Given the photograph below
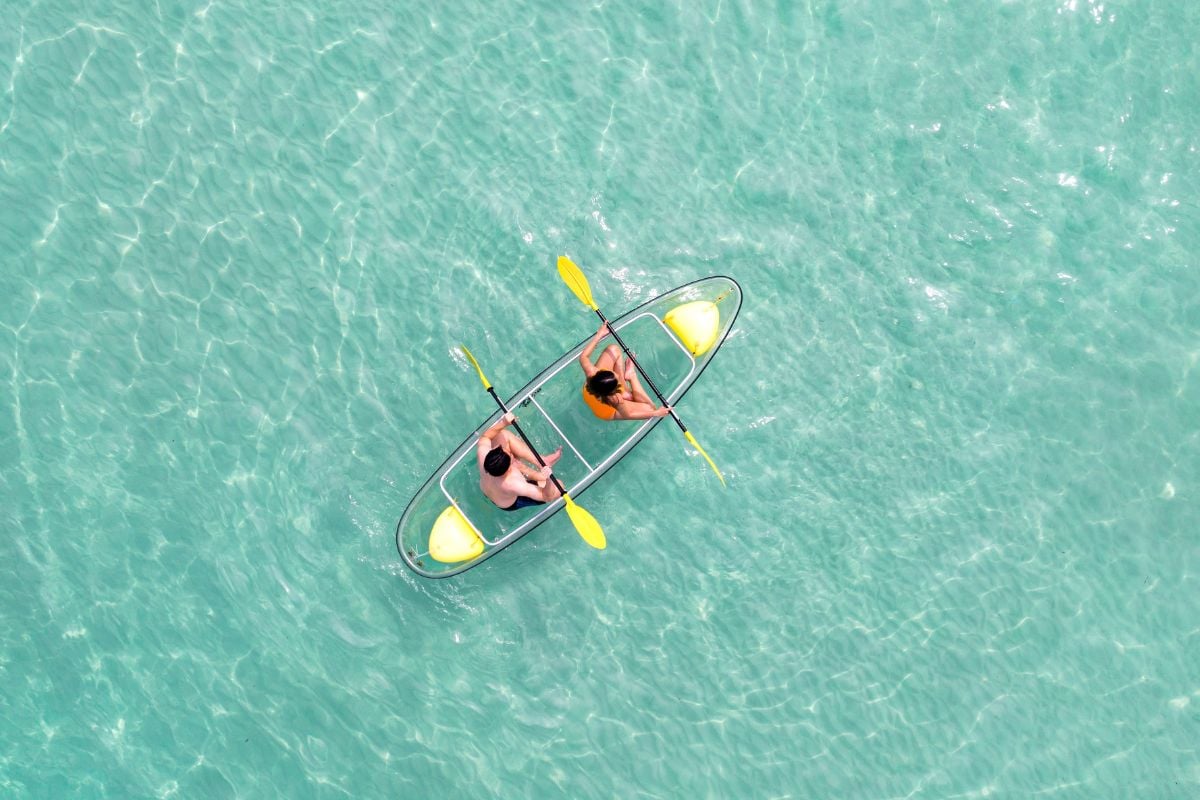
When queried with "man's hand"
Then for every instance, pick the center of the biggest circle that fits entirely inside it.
(499, 425)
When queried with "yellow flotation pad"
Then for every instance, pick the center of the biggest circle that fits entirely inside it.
(453, 539)
(696, 324)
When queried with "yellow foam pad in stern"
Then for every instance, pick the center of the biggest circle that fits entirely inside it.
(452, 538)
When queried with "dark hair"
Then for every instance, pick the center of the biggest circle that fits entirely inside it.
(602, 384)
(496, 462)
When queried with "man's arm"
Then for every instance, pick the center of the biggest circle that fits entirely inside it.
(532, 490)
(485, 443)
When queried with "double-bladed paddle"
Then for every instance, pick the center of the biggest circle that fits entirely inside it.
(584, 522)
(574, 278)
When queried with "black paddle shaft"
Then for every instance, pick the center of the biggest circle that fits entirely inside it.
(562, 489)
(649, 380)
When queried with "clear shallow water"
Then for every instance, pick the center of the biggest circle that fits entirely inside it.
(958, 555)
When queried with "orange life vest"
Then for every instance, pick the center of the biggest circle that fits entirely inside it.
(601, 409)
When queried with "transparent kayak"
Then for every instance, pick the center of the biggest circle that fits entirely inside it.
(450, 526)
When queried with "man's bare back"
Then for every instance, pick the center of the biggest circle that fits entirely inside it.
(506, 474)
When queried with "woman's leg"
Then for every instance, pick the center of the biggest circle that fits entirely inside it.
(635, 385)
(610, 359)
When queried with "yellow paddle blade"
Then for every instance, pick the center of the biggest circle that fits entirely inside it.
(574, 278)
(475, 364)
(586, 524)
(700, 450)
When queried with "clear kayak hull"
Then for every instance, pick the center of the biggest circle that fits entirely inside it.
(673, 336)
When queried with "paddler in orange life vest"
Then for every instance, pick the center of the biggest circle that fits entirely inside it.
(506, 472)
(608, 396)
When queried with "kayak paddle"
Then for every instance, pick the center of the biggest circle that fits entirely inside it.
(584, 522)
(574, 278)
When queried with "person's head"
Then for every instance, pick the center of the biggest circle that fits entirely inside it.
(603, 384)
(496, 462)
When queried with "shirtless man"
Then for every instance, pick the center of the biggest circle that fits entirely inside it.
(506, 474)
(605, 394)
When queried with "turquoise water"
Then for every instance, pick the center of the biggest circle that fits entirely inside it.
(958, 552)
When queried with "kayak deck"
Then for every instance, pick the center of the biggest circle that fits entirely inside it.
(551, 411)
